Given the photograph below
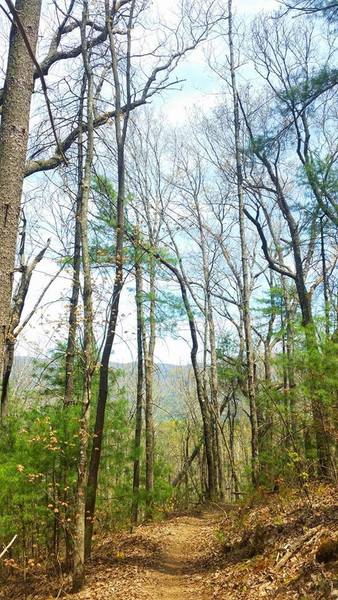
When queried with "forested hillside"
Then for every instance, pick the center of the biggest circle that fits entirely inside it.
(168, 298)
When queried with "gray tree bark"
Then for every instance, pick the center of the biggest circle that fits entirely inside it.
(14, 131)
(245, 265)
(149, 349)
(88, 338)
(139, 392)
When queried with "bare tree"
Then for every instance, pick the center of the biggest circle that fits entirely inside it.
(245, 270)
(325, 8)
(16, 322)
(158, 80)
(88, 337)
(140, 382)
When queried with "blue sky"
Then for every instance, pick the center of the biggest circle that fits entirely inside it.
(200, 88)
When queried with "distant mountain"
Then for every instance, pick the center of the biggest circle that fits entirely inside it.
(172, 384)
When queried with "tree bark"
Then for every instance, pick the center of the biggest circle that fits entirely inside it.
(187, 464)
(207, 430)
(139, 393)
(74, 300)
(149, 349)
(215, 395)
(121, 125)
(88, 341)
(245, 266)
(325, 281)
(14, 131)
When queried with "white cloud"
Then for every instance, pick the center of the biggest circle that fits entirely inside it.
(254, 6)
(177, 110)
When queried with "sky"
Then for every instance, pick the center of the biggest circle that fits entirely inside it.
(199, 89)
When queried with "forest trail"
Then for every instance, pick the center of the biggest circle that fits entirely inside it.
(280, 546)
(176, 572)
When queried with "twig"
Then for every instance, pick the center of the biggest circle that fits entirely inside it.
(308, 536)
(9, 545)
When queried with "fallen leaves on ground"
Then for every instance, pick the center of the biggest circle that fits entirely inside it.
(276, 546)
(269, 547)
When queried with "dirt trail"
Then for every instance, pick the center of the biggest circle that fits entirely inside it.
(158, 561)
(269, 549)
(176, 572)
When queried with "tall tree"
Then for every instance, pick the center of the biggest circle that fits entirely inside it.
(73, 318)
(244, 254)
(14, 131)
(121, 120)
(140, 383)
(88, 337)
(124, 90)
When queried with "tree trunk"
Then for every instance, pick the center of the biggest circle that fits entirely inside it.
(187, 464)
(74, 300)
(325, 281)
(214, 396)
(104, 367)
(139, 394)
(149, 349)
(245, 266)
(7, 369)
(14, 131)
(13, 329)
(324, 442)
(232, 425)
(207, 429)
(121, 125)
(73, 319)
(88, 341)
